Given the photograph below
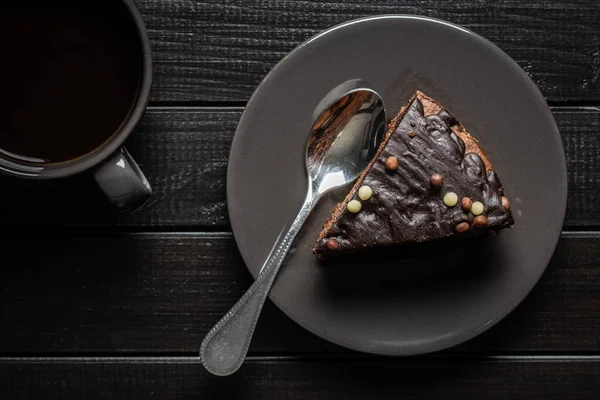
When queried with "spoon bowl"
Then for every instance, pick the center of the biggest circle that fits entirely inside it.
(344, 138)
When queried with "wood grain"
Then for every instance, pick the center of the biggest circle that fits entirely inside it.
(215, 51)
(161, 293)
(184, 153)
(185, 378)
(582, 151)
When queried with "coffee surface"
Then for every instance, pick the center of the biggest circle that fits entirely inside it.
(69, 76)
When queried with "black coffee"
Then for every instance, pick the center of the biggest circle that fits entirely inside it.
(69, 76)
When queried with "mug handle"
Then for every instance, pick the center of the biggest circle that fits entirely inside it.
(122, 181)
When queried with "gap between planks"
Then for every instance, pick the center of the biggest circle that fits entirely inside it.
(304, 358)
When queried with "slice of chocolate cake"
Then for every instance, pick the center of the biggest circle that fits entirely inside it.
(428, 180)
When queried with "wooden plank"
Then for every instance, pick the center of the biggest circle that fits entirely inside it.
(163, 292)
(185, 378)
(582, 150)
(184, 153)
(219, 51)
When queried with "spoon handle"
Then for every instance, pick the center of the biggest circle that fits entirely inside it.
(224, 348)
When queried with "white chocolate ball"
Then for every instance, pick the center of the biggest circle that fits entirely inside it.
(354, 206)
(450, 199)
(365, 192)
(477, 208)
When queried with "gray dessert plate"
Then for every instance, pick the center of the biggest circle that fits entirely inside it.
(412, 299)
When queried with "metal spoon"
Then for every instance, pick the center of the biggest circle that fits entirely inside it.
(349, 126)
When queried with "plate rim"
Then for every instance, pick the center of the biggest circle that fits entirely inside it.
(461, 337)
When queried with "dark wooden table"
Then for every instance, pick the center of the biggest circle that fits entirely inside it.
(97, 304)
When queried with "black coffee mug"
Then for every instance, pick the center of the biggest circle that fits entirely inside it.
(76, 82)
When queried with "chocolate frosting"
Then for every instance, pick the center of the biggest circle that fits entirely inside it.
(404, 206)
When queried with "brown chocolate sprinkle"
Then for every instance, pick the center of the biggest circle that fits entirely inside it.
(332, 245)
(480, 221)
(466, 203)
(462, 227)
(505, 203)
(436, 180)
(391, 163)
